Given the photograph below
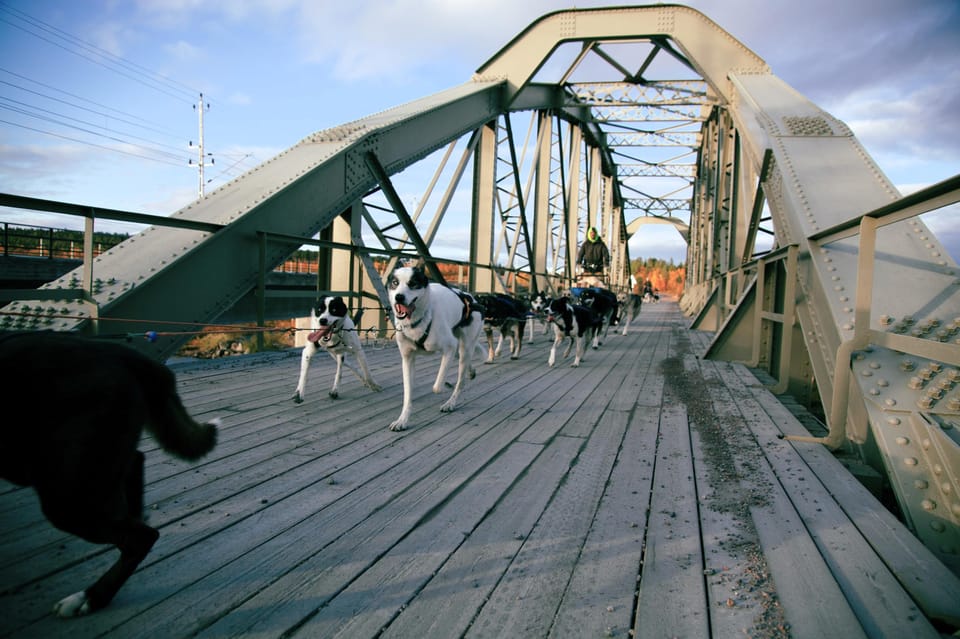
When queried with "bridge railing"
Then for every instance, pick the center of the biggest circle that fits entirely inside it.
(85, 292)
(511, 280)
(930, 199)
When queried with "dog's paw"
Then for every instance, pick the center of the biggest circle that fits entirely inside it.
(398, 426)
(448, 407)
(575, 365)
(374, 387)
(333, 394)
(73, 606)
(297, 398)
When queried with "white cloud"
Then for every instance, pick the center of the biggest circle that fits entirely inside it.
(184, 51)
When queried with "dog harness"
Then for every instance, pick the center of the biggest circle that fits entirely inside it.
(469, 306)
(567, 325)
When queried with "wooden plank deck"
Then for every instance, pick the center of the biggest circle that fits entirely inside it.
(646, 493)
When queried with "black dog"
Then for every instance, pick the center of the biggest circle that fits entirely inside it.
(73, 419)
(604, 303)
(573, 322)
(509, 316)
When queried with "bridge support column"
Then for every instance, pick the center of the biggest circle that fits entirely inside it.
(483, 279)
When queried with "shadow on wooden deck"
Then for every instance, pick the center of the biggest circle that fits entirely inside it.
(646, 493)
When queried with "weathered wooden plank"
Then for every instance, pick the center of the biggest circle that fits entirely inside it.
(598, 601)
(672, 598)
(380, 593)
(449, 603)
(742, 600)
(813, 603)
(539, 573)
(295, 597)
(874, 556)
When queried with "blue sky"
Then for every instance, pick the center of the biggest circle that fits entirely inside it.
(97, 97)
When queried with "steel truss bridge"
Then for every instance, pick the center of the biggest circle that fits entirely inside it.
(619, 118)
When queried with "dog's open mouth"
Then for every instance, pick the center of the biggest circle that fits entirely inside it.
(321, 333)
(402, 311)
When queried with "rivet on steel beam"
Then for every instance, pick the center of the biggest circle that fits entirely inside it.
(893, 421)
(928, 504)
(911, 461)
(920, 484)
(937, 525)
(903, 441)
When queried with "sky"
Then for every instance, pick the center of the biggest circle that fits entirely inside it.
(99, 98)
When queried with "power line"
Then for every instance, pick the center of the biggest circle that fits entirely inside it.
(88, 143)
(151, 126)
(69, 104)
(37, 114)
(76, 46)
(98, 56)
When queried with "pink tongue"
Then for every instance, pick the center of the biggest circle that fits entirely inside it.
(317, 335)
(403, 310)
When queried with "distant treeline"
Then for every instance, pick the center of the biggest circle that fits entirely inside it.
(34, 240)
(666, 277)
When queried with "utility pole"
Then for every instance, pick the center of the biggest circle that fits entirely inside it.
(201, 158)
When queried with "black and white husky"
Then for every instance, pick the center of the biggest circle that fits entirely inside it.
(538, 314)
(333, 330)
(71, 423)
(573, 322)
(432, 318)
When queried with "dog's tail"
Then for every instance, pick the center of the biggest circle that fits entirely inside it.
(173, 428)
